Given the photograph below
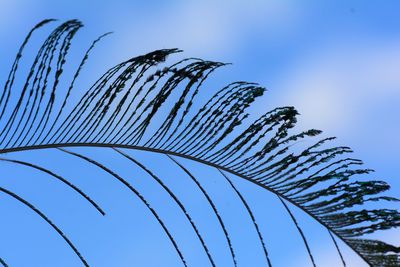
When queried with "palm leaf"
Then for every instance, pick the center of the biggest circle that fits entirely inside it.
(146, 104)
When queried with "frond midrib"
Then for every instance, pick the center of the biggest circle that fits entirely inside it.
(162, 151)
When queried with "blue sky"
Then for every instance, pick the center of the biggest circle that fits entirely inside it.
(337, 62)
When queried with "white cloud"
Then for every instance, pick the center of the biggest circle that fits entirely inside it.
(205, 28)
(336, 88)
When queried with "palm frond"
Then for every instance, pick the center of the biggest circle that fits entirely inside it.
(146, 104)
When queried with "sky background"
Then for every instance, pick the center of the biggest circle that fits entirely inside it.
(337, 62)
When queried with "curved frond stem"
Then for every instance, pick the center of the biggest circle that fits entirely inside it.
(337, 248)
(47, 53)
(205, 114)
(136, 192)
(41, 56)
(76, 75)
(44, 217)
(299, 230)
(76, 113)
(211, 202)
(60, 178)
(176, 200)
(69, 28)
(61, 61)
(251, 215)
(10, 80)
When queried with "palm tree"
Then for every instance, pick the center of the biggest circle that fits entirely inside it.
(140, 105)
